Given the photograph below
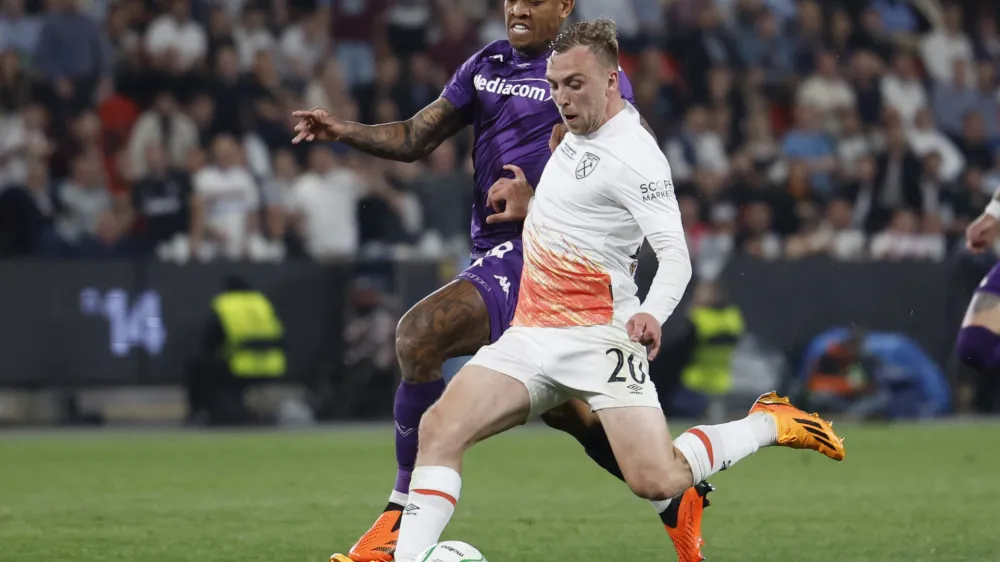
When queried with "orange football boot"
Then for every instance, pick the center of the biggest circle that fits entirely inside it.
(799, 430)
(379, 543)
(682, 520)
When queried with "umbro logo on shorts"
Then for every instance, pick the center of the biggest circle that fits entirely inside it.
(636, 389)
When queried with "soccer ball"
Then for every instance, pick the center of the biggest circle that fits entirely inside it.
(451, 551)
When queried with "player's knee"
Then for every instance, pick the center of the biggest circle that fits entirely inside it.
(416, 347)
(440, 436)
(978, 348)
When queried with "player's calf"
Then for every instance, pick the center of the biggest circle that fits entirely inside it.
(642, 445)
(478, 403)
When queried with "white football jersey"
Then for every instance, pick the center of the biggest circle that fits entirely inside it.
(598, 197)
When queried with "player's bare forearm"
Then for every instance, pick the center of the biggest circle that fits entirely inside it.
(410, 140)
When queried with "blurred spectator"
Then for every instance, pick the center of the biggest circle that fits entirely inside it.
(385, 86)
(760, 239)
(390, 213)
(406, 25)
(355, 22)
(71, 58)
(22, 140)
(26, 212)
(696, 147)
(15, 84)
(987, 40)
(18, 31)
(853, 143)
(160, 197)
(165, 126)
(92, 223)
(952, 100)
(826, 90)
(252, 36)
(987, 98)
(224, 205)
(864, 72)
(924, 138)
(968, 200)
(904, 240)
(871, 36)
(764, 46)
(807, 142)
(457, 41)
(897, 16)
(278, 194)
(942, 47)
(896, 183)
(175, 40)
(974, 143)
(623, 13)
(304, 45)
(838, 236)
(323, 206)
(227, 92)
(445, 192)
(902, 89)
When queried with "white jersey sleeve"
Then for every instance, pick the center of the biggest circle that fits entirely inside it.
(646, 190)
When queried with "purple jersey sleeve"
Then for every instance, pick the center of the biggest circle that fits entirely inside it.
(460, 90)
(625, 86)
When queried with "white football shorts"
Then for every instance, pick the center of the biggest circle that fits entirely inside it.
(597, 364)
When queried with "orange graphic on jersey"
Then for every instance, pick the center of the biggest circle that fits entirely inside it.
(561, 289)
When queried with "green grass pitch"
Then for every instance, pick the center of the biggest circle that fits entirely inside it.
(905, 493)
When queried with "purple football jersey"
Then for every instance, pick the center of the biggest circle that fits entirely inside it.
(506, 98)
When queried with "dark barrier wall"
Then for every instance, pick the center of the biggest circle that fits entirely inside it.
(789, 303)
(85, 324)
(138, 323)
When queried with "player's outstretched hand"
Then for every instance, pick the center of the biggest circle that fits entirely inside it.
(645, 329)
(509, 198)
(316, 124)
(981, 233)
(558, 132)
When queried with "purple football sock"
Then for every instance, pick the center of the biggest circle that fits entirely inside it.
(412, 400)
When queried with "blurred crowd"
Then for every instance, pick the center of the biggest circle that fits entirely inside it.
(855, 129)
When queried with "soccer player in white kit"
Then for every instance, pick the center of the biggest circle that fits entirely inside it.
(579, 330)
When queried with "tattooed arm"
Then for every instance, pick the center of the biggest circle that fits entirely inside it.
(406, 141)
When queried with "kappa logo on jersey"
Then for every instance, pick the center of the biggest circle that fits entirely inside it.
(656, 189)
(587, 165)
(504, 284)
(522, 87)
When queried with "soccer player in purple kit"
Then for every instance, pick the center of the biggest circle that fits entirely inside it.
(978, 343)
(502, 91)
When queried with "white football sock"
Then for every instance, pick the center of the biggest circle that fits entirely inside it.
(398, 498)
(711, 448)
(661, 506)
(434, 491)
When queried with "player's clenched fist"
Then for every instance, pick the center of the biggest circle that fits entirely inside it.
(645, 329)
(509, 198)
(316, 124)
(980, 234)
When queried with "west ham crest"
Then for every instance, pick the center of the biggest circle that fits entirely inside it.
(587, 165)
